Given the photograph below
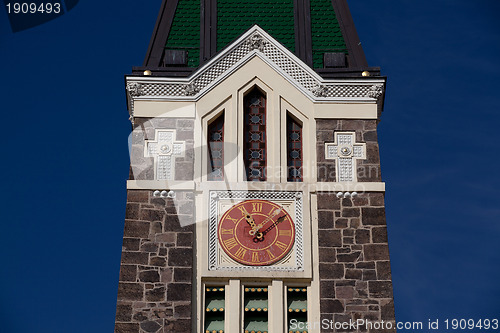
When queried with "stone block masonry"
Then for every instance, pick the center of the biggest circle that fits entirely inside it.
(155, 286)
(354, 265)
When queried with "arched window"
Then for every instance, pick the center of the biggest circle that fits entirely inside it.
(294, 149)
(255, 135)
(216, 149)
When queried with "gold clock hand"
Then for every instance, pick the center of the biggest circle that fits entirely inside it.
(272, 226)
(248, 217)
(269, 218)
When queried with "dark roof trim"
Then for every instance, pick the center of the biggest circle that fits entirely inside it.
(208, 33)
(160, 33)
(357, 57)
(164, 71)
(303, 42)
(347, 72)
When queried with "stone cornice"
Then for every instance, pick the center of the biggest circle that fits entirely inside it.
(359, 187)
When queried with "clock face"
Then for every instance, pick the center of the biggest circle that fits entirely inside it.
(256, 232)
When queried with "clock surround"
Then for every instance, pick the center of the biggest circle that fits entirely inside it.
(256, 232)
(222, 201)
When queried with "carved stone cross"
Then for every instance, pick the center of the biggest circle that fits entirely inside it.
(346, 151)
(164, 150)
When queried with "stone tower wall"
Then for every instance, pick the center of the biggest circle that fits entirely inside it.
(354, 266)
(156, 274)
(155, 286)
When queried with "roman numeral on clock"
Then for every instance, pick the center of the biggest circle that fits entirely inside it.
(240, 253)
(242, 210)
(281, 245)
(232, 219)
(256, 207)
(255, 257)
(230, 243)
(285, 233)
(270, 254)
(226, 231)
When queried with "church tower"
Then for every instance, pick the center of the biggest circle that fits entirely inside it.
(255, 201)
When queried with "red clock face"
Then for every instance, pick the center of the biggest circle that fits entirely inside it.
(256, 232)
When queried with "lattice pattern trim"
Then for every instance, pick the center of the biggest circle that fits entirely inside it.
(255, 42)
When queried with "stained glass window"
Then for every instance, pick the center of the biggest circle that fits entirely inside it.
(294, 149)
(255, 135)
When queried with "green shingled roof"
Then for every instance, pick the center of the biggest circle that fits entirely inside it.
(185, 31)
(234, 17)
(325, 30)
(276, 17)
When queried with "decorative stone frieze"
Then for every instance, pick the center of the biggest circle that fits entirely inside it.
(255, 42)
(134, 89)
(191, 89)
(375, 91)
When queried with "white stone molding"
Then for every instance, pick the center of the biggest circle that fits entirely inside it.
(346, 152)
(288, 263)
(164, 149)
(161, 185)
(254, 43)
(359, 187)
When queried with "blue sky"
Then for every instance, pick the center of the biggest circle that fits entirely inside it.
(64, 138)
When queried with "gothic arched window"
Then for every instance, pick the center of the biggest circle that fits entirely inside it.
(215, 142)
(294, 149)
(255, 135)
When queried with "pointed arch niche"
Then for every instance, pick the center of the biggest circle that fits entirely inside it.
(297, 144)
(259, 133)
(254, 135)
(216, 148)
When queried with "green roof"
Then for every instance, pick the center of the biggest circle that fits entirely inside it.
(185, 31)
(325, 30)
(276, 17)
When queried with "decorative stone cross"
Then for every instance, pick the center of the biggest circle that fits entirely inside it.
(164, 150)
(346, 151)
